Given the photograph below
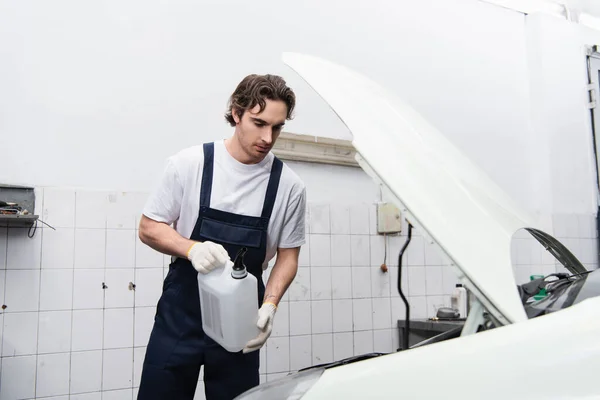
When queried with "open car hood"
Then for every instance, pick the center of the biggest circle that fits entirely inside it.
(441, 192)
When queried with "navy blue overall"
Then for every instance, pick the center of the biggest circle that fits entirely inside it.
(178, 346)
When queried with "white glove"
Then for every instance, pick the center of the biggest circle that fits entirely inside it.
(266, 314)
(206, 256)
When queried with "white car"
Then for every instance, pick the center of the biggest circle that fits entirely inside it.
(510, 346)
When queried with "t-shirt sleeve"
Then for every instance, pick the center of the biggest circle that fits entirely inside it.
(293, 230)
(164, 203)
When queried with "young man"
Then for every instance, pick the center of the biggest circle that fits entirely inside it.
(222, 196)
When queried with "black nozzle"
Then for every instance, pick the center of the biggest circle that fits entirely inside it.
(239, 268)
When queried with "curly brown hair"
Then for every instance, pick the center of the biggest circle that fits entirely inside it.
(253, 90)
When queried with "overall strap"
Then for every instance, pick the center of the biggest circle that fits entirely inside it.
(272, 187)
(207, 174)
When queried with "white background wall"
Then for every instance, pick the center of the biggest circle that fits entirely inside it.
(104, 92)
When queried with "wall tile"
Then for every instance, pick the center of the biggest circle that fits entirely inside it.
(117, 369)
(559, 225)
(362, 312)
(418, 306)
(322, 348)
(53, 374)
(359, 219)
(300, 318)
(343, 345)
(59, 207)
(340, 219)
(382, 313)
(118, 328)
(119, 214)
(363, 342)
(416, 281)
(341, 282)
(146, 256)
(377, 250)
(434, 281)
(199, 395)
(90, 248)
(320, 250)
(148, 286)
(342, 315)
(262, 359)
(143, 323)
(398, 310)
(319, 219)
(88, 330)
(572, 226)
(433, 254)
(361, 282)
(120, 248)
(415, 251)
(281, 325)
(54, 332)
(373, 219)
(87, 396)
(23, 252)
(123, 394)
(87, 289)
(300, 352)
(395, 244)
(300, 288)
(58, 248)
(139, 354)
(359, 251)
(320, 283)
(304, 256)
(393, 272)
(321, 313)
(91, 208)
(587, 226)
(340, 251)
(278, 355)
(20, 334)
(18, 378)
(86, 371)
(3, 246)
(117, 294)
(382, 341)
(380, 282)
(22, 291)
(588, 251)
(2, 285)
(449, 279)
(56, 290)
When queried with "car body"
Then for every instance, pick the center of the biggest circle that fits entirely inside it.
(511, 346)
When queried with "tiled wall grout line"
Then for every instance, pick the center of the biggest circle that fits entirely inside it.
(37, 347)
(104, 305)
(72, 296)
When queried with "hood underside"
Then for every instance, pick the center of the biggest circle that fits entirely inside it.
(440, 190)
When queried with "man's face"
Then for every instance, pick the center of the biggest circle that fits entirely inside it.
(257, 132)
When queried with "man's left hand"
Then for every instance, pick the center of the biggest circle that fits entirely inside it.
(266, 314)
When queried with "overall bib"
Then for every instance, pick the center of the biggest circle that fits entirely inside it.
(178, 346)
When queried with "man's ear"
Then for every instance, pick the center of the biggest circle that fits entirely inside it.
(237, 115)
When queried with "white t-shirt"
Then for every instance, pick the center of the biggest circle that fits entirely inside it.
(237, 188)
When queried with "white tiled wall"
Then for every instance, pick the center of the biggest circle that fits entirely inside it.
(577, 232)
(75, 326)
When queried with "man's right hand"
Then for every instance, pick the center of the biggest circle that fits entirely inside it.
(206, 256)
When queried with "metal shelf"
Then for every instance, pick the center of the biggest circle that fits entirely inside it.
(17, 220)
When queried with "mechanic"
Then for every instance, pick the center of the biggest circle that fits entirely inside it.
(249, 198)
